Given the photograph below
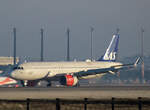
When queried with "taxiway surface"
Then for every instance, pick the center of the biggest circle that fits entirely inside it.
(97, 92)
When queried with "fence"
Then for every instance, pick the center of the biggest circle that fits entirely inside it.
(85, 104)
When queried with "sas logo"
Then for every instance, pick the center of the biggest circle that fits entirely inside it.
(111, 56)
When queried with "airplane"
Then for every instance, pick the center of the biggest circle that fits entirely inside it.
(4, 80)
(69, 73)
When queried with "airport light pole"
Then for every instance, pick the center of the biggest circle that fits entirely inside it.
(142, 54)
(91, 29)
(117, 30)
(68, 44)
(42, 44)
(14, 32)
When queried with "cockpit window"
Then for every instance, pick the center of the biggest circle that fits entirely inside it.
(21, 68)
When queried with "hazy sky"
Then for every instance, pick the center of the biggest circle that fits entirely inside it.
(28, 16)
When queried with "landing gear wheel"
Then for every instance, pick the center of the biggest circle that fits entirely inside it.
(22, 83)
(49, 84)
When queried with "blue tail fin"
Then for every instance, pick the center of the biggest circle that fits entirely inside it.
(112, 50)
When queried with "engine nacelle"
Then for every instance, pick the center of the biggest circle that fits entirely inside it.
(68, 80)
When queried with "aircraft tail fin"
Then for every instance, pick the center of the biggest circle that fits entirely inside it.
(112, 50)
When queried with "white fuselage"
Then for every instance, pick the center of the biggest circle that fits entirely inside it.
(40, 70)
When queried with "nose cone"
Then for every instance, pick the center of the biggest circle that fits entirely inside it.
(15, 74)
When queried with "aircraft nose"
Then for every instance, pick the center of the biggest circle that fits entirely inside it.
(14, 74)
(17, 74)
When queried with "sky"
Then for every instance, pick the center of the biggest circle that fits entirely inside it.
(55, 16)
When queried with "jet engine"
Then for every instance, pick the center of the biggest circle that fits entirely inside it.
(68, 80)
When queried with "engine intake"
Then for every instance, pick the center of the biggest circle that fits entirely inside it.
(68, 80)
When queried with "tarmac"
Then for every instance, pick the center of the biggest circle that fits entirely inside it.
(96, 92)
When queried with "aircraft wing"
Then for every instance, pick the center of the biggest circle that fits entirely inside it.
(7, 80)
(94, 72)
(111, 70)
(89, 72)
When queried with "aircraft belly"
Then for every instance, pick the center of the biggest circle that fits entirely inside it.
(93, 76)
